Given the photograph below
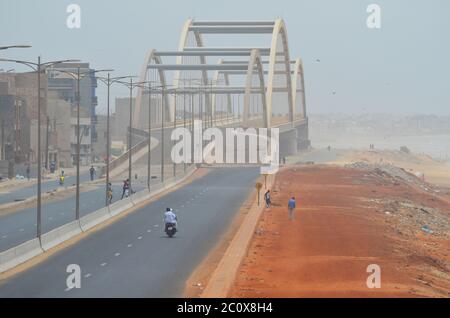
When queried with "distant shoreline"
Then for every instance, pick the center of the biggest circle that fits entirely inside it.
(436, 146)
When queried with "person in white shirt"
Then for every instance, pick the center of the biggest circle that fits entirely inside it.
(170, 217)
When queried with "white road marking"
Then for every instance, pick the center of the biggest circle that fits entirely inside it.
(21, 230)
(129, 245)
(156, 225)
(4, 236)
(148, 231)
(87, 275)
(117, 254)
(140, 238)
(103, 264)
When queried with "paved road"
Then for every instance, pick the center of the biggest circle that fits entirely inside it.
(20, 226)
(132, 257)
(31, 190)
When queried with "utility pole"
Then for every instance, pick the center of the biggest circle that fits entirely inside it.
(46, 142)
(77, 200)
(129, 134)
(39, 163)
(108, 141)
(3, 139)
(174, 127)
(162, 134)
(149, 160)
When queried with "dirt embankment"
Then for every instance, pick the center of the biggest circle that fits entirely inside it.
(349, 218)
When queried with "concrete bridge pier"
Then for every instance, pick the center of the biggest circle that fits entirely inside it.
(288, 142)
(303, 141)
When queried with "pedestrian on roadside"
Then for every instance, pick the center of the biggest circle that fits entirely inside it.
(267, 198)
(92, 172)
(291, 208)
(28, 172)
(125, 188)
(110, 192)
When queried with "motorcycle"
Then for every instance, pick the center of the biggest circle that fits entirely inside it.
(171, 229)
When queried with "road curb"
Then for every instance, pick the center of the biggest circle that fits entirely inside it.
(224, 275)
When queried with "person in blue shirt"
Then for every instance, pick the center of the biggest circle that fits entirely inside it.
(291, 208)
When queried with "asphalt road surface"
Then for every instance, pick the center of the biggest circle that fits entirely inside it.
(20, 226)
(133, 257)
(31, 190)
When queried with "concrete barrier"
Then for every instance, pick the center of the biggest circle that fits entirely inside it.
(92, 219)
(19, 254)
(60, 234)
(140, 196)
(120, 206)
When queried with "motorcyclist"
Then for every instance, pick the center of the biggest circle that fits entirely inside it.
(169, 218)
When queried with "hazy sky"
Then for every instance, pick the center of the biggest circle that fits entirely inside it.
(404, 67)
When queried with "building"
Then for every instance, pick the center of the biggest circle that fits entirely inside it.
(85, 140)
(99, 146)
(122, 116)
(15, 128)
(121, 119)
(65, 87)
(58, 119)
(21, 91)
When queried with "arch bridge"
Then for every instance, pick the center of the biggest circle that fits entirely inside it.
(252, 81)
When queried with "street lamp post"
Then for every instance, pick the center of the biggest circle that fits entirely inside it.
(108, 81)
(131, 85)
(14, 47)
(78, 76)
(38, 67)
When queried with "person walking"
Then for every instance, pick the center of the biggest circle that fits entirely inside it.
(92, 172)
(291, 208)
(267, 198)
(125, 188)
(110, 193)
(28, 172)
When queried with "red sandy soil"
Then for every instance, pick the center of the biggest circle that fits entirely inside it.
(340, 228)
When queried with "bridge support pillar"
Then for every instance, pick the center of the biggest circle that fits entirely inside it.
(288, 143)
(303, 141)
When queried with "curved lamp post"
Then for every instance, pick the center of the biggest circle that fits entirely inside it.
(38, 67)
(78, 76)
